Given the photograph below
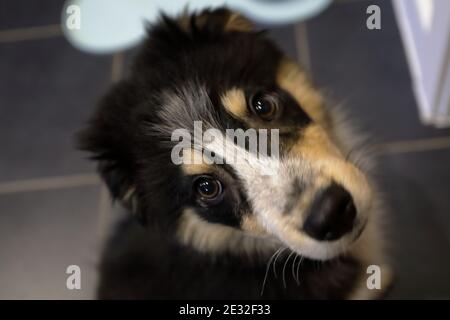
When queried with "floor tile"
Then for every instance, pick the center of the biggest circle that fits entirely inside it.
(366, 70)
(41, 234)
(416, 187)
(24, 13)
(47, 92)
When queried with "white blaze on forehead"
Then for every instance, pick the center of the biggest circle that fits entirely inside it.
(249, 164)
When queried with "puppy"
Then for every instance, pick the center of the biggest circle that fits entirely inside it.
(302, 222)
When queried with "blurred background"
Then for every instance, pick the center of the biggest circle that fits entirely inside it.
(54, 211)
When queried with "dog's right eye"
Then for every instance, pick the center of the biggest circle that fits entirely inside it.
(264, 105)
(208, 189)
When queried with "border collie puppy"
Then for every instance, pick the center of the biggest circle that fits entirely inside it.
(301, 225)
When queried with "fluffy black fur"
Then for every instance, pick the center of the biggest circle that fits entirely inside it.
(147, 264)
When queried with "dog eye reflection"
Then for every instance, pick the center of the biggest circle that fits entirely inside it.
(208, 189)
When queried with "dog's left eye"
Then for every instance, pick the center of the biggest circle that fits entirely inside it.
(264, 105)
(208, 188)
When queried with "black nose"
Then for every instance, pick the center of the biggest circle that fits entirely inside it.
(332, 214)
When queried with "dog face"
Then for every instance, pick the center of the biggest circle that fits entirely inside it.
(214, 68)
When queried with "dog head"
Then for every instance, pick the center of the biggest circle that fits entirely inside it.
(213, 71)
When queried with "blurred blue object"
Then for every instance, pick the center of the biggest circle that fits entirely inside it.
(105, 26)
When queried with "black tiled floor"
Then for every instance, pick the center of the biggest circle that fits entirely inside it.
(25, 13)
(416, 187)
(47, 91)
(367, 70)
(41, 233)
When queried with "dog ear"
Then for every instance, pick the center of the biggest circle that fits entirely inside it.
(107, 138)
(215, 21)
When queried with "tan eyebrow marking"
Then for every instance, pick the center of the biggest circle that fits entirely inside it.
(291, 79)
(234, 102)
(189, 165)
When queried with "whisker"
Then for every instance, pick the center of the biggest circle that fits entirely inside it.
(284, 268)
(275, 263)
(267, 270)
(293, 266)
(298, 268)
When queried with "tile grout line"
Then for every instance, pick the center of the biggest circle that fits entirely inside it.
(409, 146)
(302, 45)
(78, 180)
(49, 183)
(31, 33)
(117, 66)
